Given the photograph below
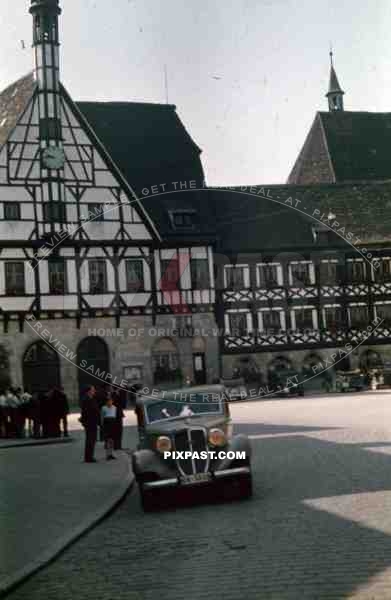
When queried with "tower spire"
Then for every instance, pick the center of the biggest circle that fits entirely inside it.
(335, 92)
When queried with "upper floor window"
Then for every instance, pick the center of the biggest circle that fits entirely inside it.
(54, 212)
(238, 323)
(383, 312)
(333, 317)
(98, 276)
(358, 315)
(304, 318)
(271, 321)
(57, 276)
(183, 219)
(14, 279)
(328, 272)
(301, 273)
(95, 211)
(134, 275)
(170, 274)
(382, 271)
(11, 211)
(236, 277)
(49, 128)
(200, 277)
(355, 271)
(268, 274)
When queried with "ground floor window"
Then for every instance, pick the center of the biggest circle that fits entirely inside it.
(165, 363)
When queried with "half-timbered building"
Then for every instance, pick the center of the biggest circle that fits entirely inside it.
(304, 269)
(89, 286)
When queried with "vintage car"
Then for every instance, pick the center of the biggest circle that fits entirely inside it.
(190, 420)
(347, 381)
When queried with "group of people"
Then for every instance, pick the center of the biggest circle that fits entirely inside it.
(14, 412)
(37, 415)
(102, 410)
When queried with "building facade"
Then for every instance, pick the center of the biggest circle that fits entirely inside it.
(119, 265)
(89, 289)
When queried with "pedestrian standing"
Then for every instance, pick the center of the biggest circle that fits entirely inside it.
(12, 409)
(90, 418)
(3, 415)
(64, 411)
(109, 426)
(119, 428)
(35, 413)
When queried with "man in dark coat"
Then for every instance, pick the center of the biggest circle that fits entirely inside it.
(120, 402)
(90, 419)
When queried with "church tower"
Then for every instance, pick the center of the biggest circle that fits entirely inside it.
(335, 93)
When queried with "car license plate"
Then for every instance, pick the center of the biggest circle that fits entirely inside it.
(196, 478)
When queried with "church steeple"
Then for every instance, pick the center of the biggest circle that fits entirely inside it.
(335, 93)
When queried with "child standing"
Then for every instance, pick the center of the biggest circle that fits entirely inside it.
(109, 422)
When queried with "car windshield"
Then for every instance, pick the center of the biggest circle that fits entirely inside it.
(187, 406)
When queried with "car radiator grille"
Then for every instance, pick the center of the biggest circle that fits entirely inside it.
(193, 440)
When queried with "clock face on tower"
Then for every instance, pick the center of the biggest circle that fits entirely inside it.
(53, 157)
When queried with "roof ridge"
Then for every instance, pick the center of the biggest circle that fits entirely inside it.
(127, 103)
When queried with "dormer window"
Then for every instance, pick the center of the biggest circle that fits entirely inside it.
(183, 219)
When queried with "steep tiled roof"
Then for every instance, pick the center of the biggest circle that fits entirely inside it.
(13, 101)
(148, 142)
(151, 147)
(247, 221)
(357, 145)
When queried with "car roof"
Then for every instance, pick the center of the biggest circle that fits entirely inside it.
(172, 395)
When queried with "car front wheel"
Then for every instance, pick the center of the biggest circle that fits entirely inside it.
(246, 486)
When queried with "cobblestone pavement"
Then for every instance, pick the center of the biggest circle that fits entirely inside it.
(319, 525)
(48, 496)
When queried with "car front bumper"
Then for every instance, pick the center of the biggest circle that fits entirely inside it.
(215, 477)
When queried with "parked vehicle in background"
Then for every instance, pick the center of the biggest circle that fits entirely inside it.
(349, 381)
(189, 420)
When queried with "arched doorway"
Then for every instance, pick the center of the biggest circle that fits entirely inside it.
(370, 359)
(93, 361)
(41, 368)
(165, 363)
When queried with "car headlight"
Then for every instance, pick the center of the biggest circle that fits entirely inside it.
(163, 444)
(217, 437)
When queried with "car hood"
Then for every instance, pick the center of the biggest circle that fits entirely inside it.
(180, 424)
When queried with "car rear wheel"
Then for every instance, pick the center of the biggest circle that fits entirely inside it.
(149, 501)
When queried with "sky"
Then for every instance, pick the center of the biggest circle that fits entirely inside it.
(246, 76)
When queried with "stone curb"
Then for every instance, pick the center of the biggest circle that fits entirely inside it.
(15, 580)
(38, 442)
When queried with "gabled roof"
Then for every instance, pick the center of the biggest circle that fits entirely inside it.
(248, 221)
(356, 145)
(147, 142)
(151, 147)
(13, 101)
